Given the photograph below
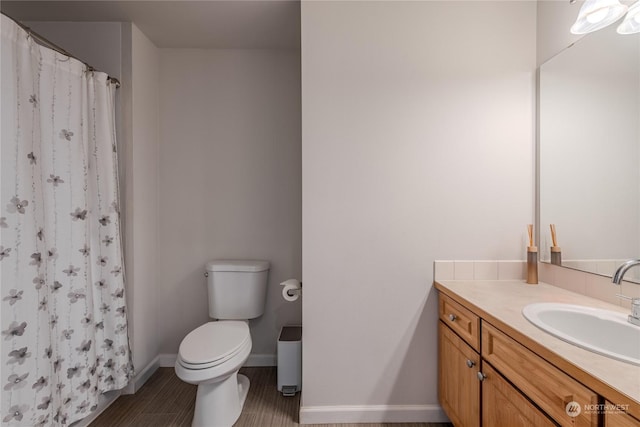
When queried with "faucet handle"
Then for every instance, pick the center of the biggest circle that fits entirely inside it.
(634, 317)
(634, 300)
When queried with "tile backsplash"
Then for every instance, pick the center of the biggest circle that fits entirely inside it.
(479, 270)
(591, 285)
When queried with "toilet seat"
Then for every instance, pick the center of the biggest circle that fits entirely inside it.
(213, 344)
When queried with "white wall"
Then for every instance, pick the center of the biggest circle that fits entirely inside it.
(143, 176)
(138, 158)
(417, 145)
(229, 181)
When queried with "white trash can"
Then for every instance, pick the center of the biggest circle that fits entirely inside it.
(290, 360)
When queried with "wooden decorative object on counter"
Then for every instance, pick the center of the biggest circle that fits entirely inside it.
(532, 259)
(556, 253)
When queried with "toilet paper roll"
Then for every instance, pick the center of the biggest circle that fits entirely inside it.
(291, 289)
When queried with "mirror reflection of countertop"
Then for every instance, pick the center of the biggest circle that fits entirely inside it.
(500, 302)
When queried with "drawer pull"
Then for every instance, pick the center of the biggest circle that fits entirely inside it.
(453, 317)
(481, 376)
(470, 363)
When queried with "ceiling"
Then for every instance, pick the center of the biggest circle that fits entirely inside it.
(205, 24)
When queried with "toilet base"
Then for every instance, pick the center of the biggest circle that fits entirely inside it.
(219, 404)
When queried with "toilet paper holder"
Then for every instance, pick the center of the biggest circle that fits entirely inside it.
(292, 292)
(291, 289)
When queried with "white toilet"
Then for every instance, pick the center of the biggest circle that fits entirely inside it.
(211, 355)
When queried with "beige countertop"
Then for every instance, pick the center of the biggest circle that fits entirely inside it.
(500, 302)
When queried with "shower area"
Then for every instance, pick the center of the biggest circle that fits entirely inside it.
(65, 338)
(114, 197)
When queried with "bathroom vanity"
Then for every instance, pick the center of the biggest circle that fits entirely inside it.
(497, 369)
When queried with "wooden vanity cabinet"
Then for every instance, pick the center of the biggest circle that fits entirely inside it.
(619, 419)
(458, 385)
(460, 389)
(459, 362)
(504, 405)
(461, 320)
(486, 378)
(547, 386)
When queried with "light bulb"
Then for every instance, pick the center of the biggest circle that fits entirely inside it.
(631, 23)
(597, 16)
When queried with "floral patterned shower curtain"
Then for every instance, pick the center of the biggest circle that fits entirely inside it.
(64, 326)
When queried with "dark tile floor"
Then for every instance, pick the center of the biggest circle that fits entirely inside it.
(165, 401)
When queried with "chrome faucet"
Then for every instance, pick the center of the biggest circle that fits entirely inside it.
(634, 317)
(619, 274)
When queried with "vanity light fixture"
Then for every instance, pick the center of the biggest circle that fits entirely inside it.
(631, 23)
(597, 14)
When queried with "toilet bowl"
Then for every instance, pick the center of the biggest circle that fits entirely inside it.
(210, 357)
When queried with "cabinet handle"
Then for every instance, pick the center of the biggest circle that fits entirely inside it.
(481, 376)
(453, 317)
(470, 363)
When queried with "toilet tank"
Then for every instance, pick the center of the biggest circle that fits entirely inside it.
(237, 288)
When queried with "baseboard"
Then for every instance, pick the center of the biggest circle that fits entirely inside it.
(141, 377)
(372, 414)
(169, 360)
(255, 360)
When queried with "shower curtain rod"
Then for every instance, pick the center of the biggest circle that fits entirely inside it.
(43, 41)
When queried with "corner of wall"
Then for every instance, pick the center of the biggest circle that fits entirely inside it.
(142, 180)
(553, 20)
(125, 163)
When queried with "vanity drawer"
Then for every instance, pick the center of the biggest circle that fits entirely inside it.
(547, 386)
(461, 320)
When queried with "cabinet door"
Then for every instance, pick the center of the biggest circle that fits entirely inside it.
(458, 384)
(619, 419)
(504, 406)
(547, 386)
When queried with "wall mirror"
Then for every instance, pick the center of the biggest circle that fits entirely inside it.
(589, 148)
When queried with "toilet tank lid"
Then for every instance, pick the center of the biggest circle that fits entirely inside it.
(237, 265)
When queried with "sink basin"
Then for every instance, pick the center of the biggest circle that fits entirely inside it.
(600, 331)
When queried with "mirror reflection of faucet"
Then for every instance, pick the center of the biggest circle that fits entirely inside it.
(634, 317)
(620, 271)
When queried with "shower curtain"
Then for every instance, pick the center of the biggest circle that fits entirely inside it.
(64, 324)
